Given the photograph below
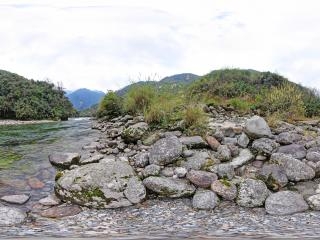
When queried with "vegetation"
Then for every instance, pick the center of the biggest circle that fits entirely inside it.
(83, 98)
(25, 99)
(111, 106)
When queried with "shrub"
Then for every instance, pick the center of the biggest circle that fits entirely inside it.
(195, 120)
(138, 99)
(241, 105)
(110, 106)
(285, 101)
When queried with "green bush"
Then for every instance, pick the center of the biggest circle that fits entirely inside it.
(241, 105)
(111, 106)
(195, 120)
(138, 99)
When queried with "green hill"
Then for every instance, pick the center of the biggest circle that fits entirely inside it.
(25, 99)
(83, 98)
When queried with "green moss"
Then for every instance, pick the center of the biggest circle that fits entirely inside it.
(208, 164)
(58, 175)
(94, 192)
(8, 157)
(225, 182)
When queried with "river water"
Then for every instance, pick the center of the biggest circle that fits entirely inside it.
(28, 146)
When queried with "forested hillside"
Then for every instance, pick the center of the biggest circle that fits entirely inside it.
(25, 99)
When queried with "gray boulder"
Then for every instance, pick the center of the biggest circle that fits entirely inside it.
(168, 187)
(252, 193)
(285, 203)
(10, 216)
(227, 190)
(313, 156)
(287, 138)
(135, 191)
(194, 142)
(245, 156)
(165, 151)
(243, 140)
(64, 160)
(151, 170)
(98, 185)
(224, 170)
(264, 146)
(257, 127)
(141, 159)
(314, 202)
(205, 200)
(224, 153)
(274, 176)
(294, 169)
(197, 161)
(201, 179)
(295, 150)
(134, 132)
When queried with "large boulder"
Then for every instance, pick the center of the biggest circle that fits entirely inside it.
(252, 193)
(168, 187)
(205, 200)
(295, 150)
(10, 216)
(134, 132)
(201, 179)
(264, 146)
(64, 160)
(257, 127)
(165, 151)
(285, 203)
(193, 142)
(294, 168)
(101, 185)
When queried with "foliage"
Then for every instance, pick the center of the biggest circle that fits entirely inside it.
(195, 120)
(240, 104)
(110, 106)
(139, 98)
(25, 99)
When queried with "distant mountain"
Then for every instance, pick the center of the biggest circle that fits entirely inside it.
(174, 80)
(84, 98)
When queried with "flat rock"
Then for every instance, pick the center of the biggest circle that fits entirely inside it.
(168, 187)
(193, 142)
(252, 193)
(16, 199)
(205, 200)
(61, 211)
(10, 216)
(64, 160)
(50, 200)
(294, 168)
(165, 151)
(212, 142)
(93, 159)
(245, 156)
(257, 127)
(285, 203)
(141, 159)
(197, 161)
(295, 150)
(201, 179)
(287, 138)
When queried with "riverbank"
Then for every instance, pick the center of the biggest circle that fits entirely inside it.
(7, 122)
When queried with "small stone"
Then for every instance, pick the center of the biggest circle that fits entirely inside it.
(10, 216)
(205, 200)
(252, 193)
(257, 163)
(313, 156)
(286, 138)
(244, 157)
(16, 199)
(180, 172)
(35, 183)
(243, 140)
(257, 127)
(141, 159)
(213, 142)
(227, 190)
(135, 191)
(64, 160)
(201, 179)
(93, 159)
(50, 200)
(151, 170)
(225, 170)
(224, 153)
(314, 202)
(264, 146)
(61, 211)
(295, 150)
(167, 172)
(187, 153)
(193, 142)
(274, 176)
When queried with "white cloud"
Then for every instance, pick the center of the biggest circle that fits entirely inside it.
(102, 44)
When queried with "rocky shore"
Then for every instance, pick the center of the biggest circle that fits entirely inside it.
(19, 122)
(241, 177)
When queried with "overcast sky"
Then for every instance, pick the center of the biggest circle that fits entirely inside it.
(106, 44)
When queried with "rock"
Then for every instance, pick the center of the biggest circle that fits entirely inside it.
(257, 127)
(295, 150)
(151, 139)
(64, 160)
(285, 203)
(165, 151)
(225, 170)
(252, 193)
(234, 150)
(245, 156)
(151, 170)
(181, 172)
(224, 153)
(286, 138)
(198, 161)
(135, 191)
(243, 140)
(274, 176)
(294, 169)
(167, 172)
(61, 211)
(16, 199)
(134, 132)
(193, 142)
(212, 142)
(307, 188)
(230, 140)
(97, 185)
(50, 200)
(35, 183)
(264, 146)
(168, 187)
(313, 156)
(93, 159)
(201, 179)
(225, 189)
(187, 153)
(10, 216)
(141, 159)
(314, 202)
(205, 200)
(258, 163)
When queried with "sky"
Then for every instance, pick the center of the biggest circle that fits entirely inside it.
(106, 44)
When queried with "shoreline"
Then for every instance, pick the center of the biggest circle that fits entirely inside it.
(10, 122)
